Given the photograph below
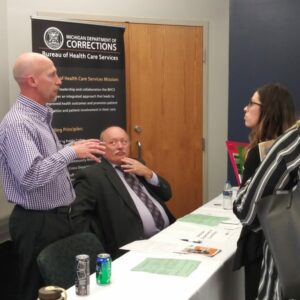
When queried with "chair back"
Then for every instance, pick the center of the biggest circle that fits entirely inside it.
(56, 262)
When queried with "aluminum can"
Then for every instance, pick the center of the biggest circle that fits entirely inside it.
(103, 268)
(82, 278)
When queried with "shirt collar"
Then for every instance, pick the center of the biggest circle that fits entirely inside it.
(45, 112)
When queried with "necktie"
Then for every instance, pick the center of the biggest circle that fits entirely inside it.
(134, 183)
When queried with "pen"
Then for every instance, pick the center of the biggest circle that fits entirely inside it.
(186, 240)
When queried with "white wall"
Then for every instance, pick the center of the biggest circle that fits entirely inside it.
(15, 18)
(5, 207)
(3, 60)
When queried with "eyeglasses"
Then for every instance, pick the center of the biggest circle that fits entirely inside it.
(251, 103)
(115, 142)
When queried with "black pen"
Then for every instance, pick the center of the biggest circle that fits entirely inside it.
(186, 240)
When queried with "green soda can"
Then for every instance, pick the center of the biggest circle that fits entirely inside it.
(103, 268)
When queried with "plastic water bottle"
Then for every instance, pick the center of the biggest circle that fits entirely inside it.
(227, 195)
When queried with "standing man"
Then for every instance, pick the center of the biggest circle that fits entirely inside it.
(33, 166)
(120, 199)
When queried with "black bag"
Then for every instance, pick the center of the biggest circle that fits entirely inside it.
(279, 216)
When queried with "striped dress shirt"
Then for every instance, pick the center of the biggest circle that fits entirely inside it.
(278, 171)
(33, 163)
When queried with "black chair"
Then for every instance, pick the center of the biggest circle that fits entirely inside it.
(57, 261)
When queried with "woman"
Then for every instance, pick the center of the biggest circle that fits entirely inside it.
(278, 171)
(269, 113)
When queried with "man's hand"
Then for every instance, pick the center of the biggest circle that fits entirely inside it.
(130, 165)
(90, 148)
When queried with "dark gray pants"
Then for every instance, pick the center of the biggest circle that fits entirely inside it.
(32, 231)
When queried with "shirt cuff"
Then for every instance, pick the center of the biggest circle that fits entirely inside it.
(154, 180)
(68, 153)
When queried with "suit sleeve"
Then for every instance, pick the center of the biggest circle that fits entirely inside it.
(163, 191)
(84, 206)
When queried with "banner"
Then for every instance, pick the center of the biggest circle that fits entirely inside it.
(90, 61)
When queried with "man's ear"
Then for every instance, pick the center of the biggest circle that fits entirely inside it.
(31, 81)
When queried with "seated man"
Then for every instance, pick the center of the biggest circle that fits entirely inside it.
(120, 199)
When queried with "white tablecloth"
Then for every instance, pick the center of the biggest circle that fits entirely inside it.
(212, 280)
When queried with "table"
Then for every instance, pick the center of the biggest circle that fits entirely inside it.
(212, 280)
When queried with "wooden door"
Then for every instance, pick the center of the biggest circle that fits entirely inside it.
(164, 82)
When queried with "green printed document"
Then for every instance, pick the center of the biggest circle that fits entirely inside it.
(176, 267)
(203, 219)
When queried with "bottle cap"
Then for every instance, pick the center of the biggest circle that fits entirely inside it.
(50, 293)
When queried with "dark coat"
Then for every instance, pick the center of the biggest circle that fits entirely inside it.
(104, 206)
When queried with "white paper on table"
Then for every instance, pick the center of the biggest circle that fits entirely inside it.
(213, 235)
(154, 246)
(206, 234)
(175, 243)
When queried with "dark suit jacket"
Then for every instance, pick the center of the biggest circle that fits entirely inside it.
(104, 206)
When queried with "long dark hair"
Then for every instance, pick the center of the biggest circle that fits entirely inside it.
(277, 113)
